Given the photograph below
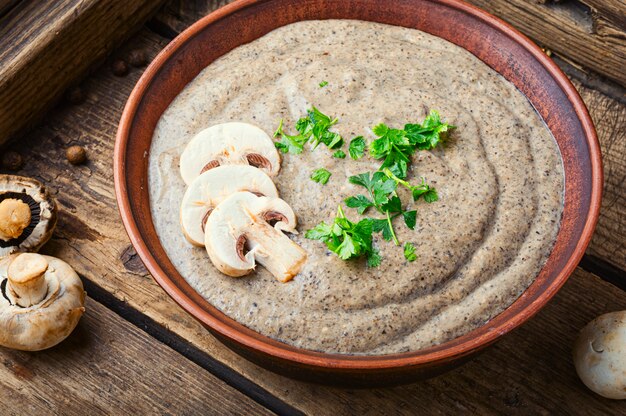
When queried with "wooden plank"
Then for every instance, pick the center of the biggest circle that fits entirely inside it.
(107, 367)
(569, 30)
(91, 237)
(612, 10)
(45, 46)
(609, 240)
(565, 27)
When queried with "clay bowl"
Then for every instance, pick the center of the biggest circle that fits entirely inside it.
(493, 41)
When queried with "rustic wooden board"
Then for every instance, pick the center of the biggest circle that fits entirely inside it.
(609, 240)
(592, 40)
(612, 10)
(45, 46)
(90, 236)
(107, 366)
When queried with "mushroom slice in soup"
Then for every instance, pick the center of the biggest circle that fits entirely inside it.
(231, 143)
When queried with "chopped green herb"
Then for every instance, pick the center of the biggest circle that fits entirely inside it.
(428, 135)
(357, 147)
(347, 239)
(409, 252)
(383, 197)
(323, 84)
(424, 190)
(339, 154)
(289, 144)
(397, 146)
(314, 128)
(321, 175)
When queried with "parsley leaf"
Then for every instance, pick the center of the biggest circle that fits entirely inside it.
(360, 202)
(323, 84)
(410, 218)
(289, 144)
(383, 197)
(397, 146)
(314, 128)
(394, 147)
(409, 252)
(321, 175)
(347, 239)
(424, 190)
(339, 154)
(357, 147)
(429, 134)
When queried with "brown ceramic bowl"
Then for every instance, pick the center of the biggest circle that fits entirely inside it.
(493, 41)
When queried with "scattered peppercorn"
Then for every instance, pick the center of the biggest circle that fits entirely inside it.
(12, 161)
(119, 68)
(137, 58)
(75, 95)
(76, 155)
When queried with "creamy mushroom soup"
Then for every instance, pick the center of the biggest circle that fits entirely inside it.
(499, 178)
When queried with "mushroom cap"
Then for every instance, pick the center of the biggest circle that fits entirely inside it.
(231, 143)
(211, 187)
(243, 220)
(53, 318)
(43, 213)
(600, 355)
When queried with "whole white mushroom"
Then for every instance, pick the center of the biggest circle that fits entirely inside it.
(41, 301)
(600, 355)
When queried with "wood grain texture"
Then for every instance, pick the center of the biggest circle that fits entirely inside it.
(109, 367)
(613, 11)
(592, 40)
(45, 46)
(529, 372)
(567, 28)
(609, 239)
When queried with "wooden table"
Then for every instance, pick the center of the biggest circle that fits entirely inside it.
(136, 352)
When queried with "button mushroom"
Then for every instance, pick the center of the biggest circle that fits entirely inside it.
(600, 355)
(28, 214)
(245, 228)
(229, 144)
(41, 303)
(210, 188)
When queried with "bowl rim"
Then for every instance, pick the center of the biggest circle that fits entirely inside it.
(281, 350)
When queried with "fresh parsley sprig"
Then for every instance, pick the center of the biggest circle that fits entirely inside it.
(422, 190)
(397, 146)
(314, 128)
(383, 197)
(347, 239)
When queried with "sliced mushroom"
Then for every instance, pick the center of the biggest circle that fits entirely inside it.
(28, 214)
(245, 228)
(210, 188)
(42, 301)
(229, 144)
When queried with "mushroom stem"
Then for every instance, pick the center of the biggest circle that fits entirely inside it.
(27, 280)
(275, 251)
(14, 218)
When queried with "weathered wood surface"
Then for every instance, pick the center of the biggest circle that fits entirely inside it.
(530, 371)
(109, 367)
(609, 239)
(45, 46)
(593, 40)
(612, 10)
